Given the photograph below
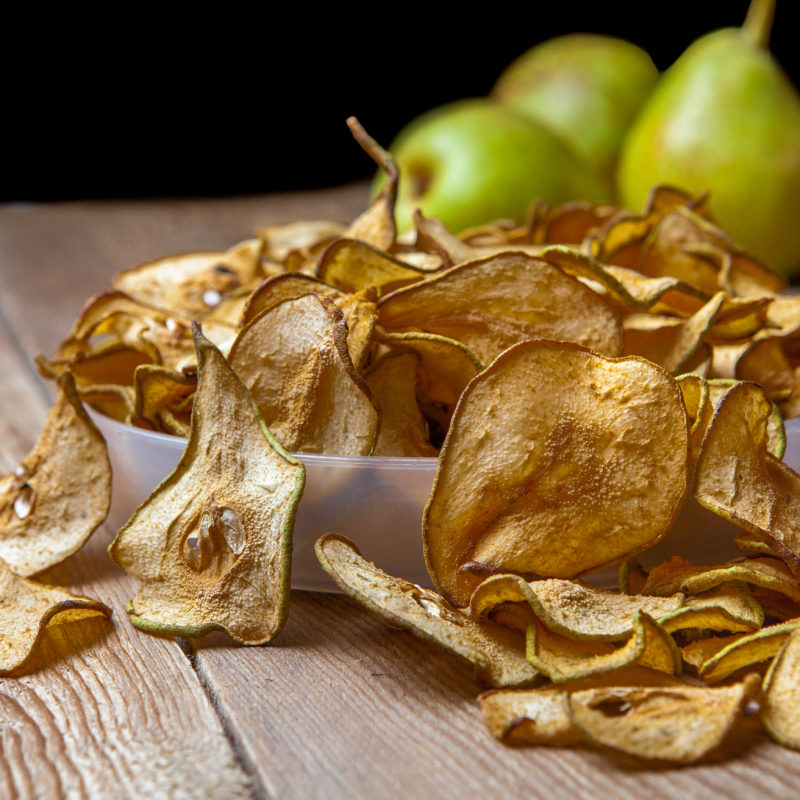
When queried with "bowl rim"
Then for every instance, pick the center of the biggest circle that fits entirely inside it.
(426, 463)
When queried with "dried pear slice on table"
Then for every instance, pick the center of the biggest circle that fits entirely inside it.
(212, 544)
(294, 360)
(558, 461)
(60, 492)
(497, 653)
(27, 608)
(673, 724)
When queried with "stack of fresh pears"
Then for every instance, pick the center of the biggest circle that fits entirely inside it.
(587, 117)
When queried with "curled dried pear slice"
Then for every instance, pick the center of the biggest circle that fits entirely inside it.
(27, 608)
(492, 303)
(748, 651)
(739, 479)
(539, 716)
(212, 544)
(563, 659)
(293, 358)
(558, 461)
(60, 492)
(780, 706)
(571, 608)
(403, 432)
(675, 724)
(353, 265)
(496, 653)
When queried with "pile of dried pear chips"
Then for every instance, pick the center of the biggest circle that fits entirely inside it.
(581, 377)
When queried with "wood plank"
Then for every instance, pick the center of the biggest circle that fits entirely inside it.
(103, 711)
(345, 706)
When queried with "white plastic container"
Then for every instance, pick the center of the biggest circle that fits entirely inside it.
(378, 503)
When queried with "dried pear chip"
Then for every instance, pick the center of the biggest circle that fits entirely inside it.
(494, 302)
(433, 235)
(286, 237)
(192, 284)
(571, 608)
(376, 226)
(352, 265)
(724, 608)
(27, 608)
(212, 544)
(563, 659)
(293, 358)
(748, 651)
(780, 705)
(631, 576)
(445, 368)
(696, 653)
(737, 477)
(558, 461)
(358, 308)
(114, 401)
(403, 432)
(671, 343)
(678, 575)
(674, 724)
(60, 492)
(539, 716)
(496, 653)
(160, 389)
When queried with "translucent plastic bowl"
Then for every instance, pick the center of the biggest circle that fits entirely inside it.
(378, 503)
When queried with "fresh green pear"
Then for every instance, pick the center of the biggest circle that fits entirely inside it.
(586, 88)
(726, 118)
(472, 161)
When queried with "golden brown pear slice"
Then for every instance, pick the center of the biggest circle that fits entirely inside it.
(674, 724)
(497, 653)
(60, 492)
(403, 431)
(494, 302)
(192, 284)
(212, 544)
(780, 707)
(27, 608)
(558, 461)
(738, 478)
(294, 360)
(539, 716)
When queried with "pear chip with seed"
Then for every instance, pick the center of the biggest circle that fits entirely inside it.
(212, 544)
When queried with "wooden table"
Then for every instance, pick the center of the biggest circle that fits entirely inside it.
(340, 705)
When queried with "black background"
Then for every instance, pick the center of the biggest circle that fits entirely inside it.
(140, 102)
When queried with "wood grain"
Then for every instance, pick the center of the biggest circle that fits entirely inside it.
(340, 705)
(102, 711)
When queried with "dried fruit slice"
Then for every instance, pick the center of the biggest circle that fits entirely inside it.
(495, 652)
(563, 659)
(492, 303)
(60, 492)
(571, 608)
(539, 716)
(27, 608)
(737, 477)
(725, 608)
(352, 265)
(558, 461)
(159, 390)
(748, 651)
(696, 653)
(293, 358)
(403, 432)
(191, 285)
(212, 544)
(679, 725)
(780, 705)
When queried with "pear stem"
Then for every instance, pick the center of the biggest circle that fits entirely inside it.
(758, 24)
